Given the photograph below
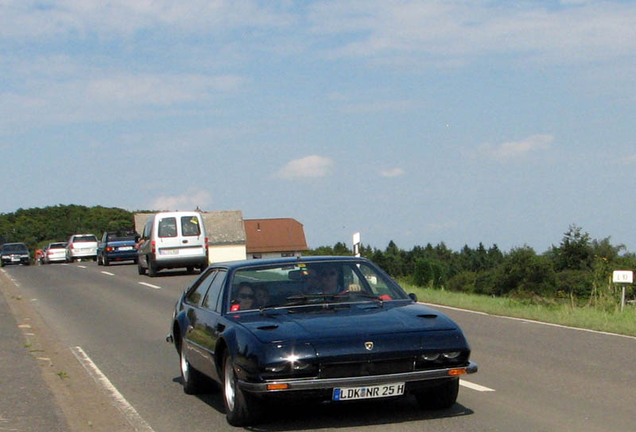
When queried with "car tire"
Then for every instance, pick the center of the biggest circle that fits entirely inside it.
(105, 261)
(439, 397)
(152, 267)
(141, 270)
(191, 378)
(241, 409)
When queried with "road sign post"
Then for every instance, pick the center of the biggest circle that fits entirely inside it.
(623, 277)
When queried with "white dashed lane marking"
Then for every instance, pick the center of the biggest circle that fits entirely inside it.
(149, 285)
(476, 387)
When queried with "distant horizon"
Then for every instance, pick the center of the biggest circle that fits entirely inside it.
(349, 242)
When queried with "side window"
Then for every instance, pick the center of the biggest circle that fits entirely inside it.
(190, 226)
(148, 228)
(198, 291)
(168, 227)
(214, 293)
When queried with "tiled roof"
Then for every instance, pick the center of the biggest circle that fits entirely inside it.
(274, 235)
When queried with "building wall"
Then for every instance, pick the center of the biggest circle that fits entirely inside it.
(226, 253)
(265, 255)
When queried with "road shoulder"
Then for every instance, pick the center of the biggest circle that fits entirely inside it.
(44, 387)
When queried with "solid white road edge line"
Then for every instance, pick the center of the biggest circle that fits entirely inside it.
(149, 285)
(133, 417)
(526, 320)
(474, 386)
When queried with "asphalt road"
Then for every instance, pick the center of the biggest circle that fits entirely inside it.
(113, 322)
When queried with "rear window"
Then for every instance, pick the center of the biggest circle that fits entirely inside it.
(84, 238)
(121, 236)
(190, 226)
(168, 227)
(15, 248)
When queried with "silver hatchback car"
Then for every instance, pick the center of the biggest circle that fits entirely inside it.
(81, 246)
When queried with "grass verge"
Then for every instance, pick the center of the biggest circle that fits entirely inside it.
(612, 321)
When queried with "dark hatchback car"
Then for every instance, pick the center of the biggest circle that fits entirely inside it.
(117, 246)
(14, 253)
(332, 328)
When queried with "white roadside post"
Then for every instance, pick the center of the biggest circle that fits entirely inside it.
(623, 277)
(356, 244)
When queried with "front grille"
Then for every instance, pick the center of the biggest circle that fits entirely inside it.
(367, 368)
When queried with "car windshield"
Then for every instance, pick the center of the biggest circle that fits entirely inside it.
(309, 284)
(57, 245)
(17, 247)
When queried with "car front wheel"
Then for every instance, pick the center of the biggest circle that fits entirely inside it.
(241, 409)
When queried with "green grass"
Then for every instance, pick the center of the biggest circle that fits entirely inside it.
(612, 321)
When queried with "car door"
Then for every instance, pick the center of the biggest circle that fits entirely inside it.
(204, 313)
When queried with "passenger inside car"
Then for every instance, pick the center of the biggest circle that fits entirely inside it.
(262, 297)
(245, 297)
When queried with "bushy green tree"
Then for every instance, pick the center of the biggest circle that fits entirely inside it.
(524, 273)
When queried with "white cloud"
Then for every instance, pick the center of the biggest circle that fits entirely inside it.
(395, 172)
(188, 201)
(307, 167)
(513, 150)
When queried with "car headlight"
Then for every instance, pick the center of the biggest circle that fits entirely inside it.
(430, 356)
(451, 355)
(285, 361)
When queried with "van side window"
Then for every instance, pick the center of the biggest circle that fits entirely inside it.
(168, 227)
(190, 226)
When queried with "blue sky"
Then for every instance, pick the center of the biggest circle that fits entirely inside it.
(500, 122)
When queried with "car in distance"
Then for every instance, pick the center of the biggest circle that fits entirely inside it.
(334, 328)
(81, 246)
(54, 252)
(14, 253)
(117, 246)
(172, 240)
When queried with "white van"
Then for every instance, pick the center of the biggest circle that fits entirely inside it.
(172, 240)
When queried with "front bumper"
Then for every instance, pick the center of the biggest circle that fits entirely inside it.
(310, 384)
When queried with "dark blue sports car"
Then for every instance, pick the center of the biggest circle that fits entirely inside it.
(335, 328)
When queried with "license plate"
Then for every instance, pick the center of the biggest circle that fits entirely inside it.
(369, 392)
(170, 252)
(125, 248)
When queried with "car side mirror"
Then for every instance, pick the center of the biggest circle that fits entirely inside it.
(413, 297)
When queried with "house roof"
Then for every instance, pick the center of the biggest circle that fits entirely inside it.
(274, 235)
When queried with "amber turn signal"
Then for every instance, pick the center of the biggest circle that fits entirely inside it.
(277, 386)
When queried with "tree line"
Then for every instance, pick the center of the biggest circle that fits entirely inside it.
(579, 268)
(37, 227)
